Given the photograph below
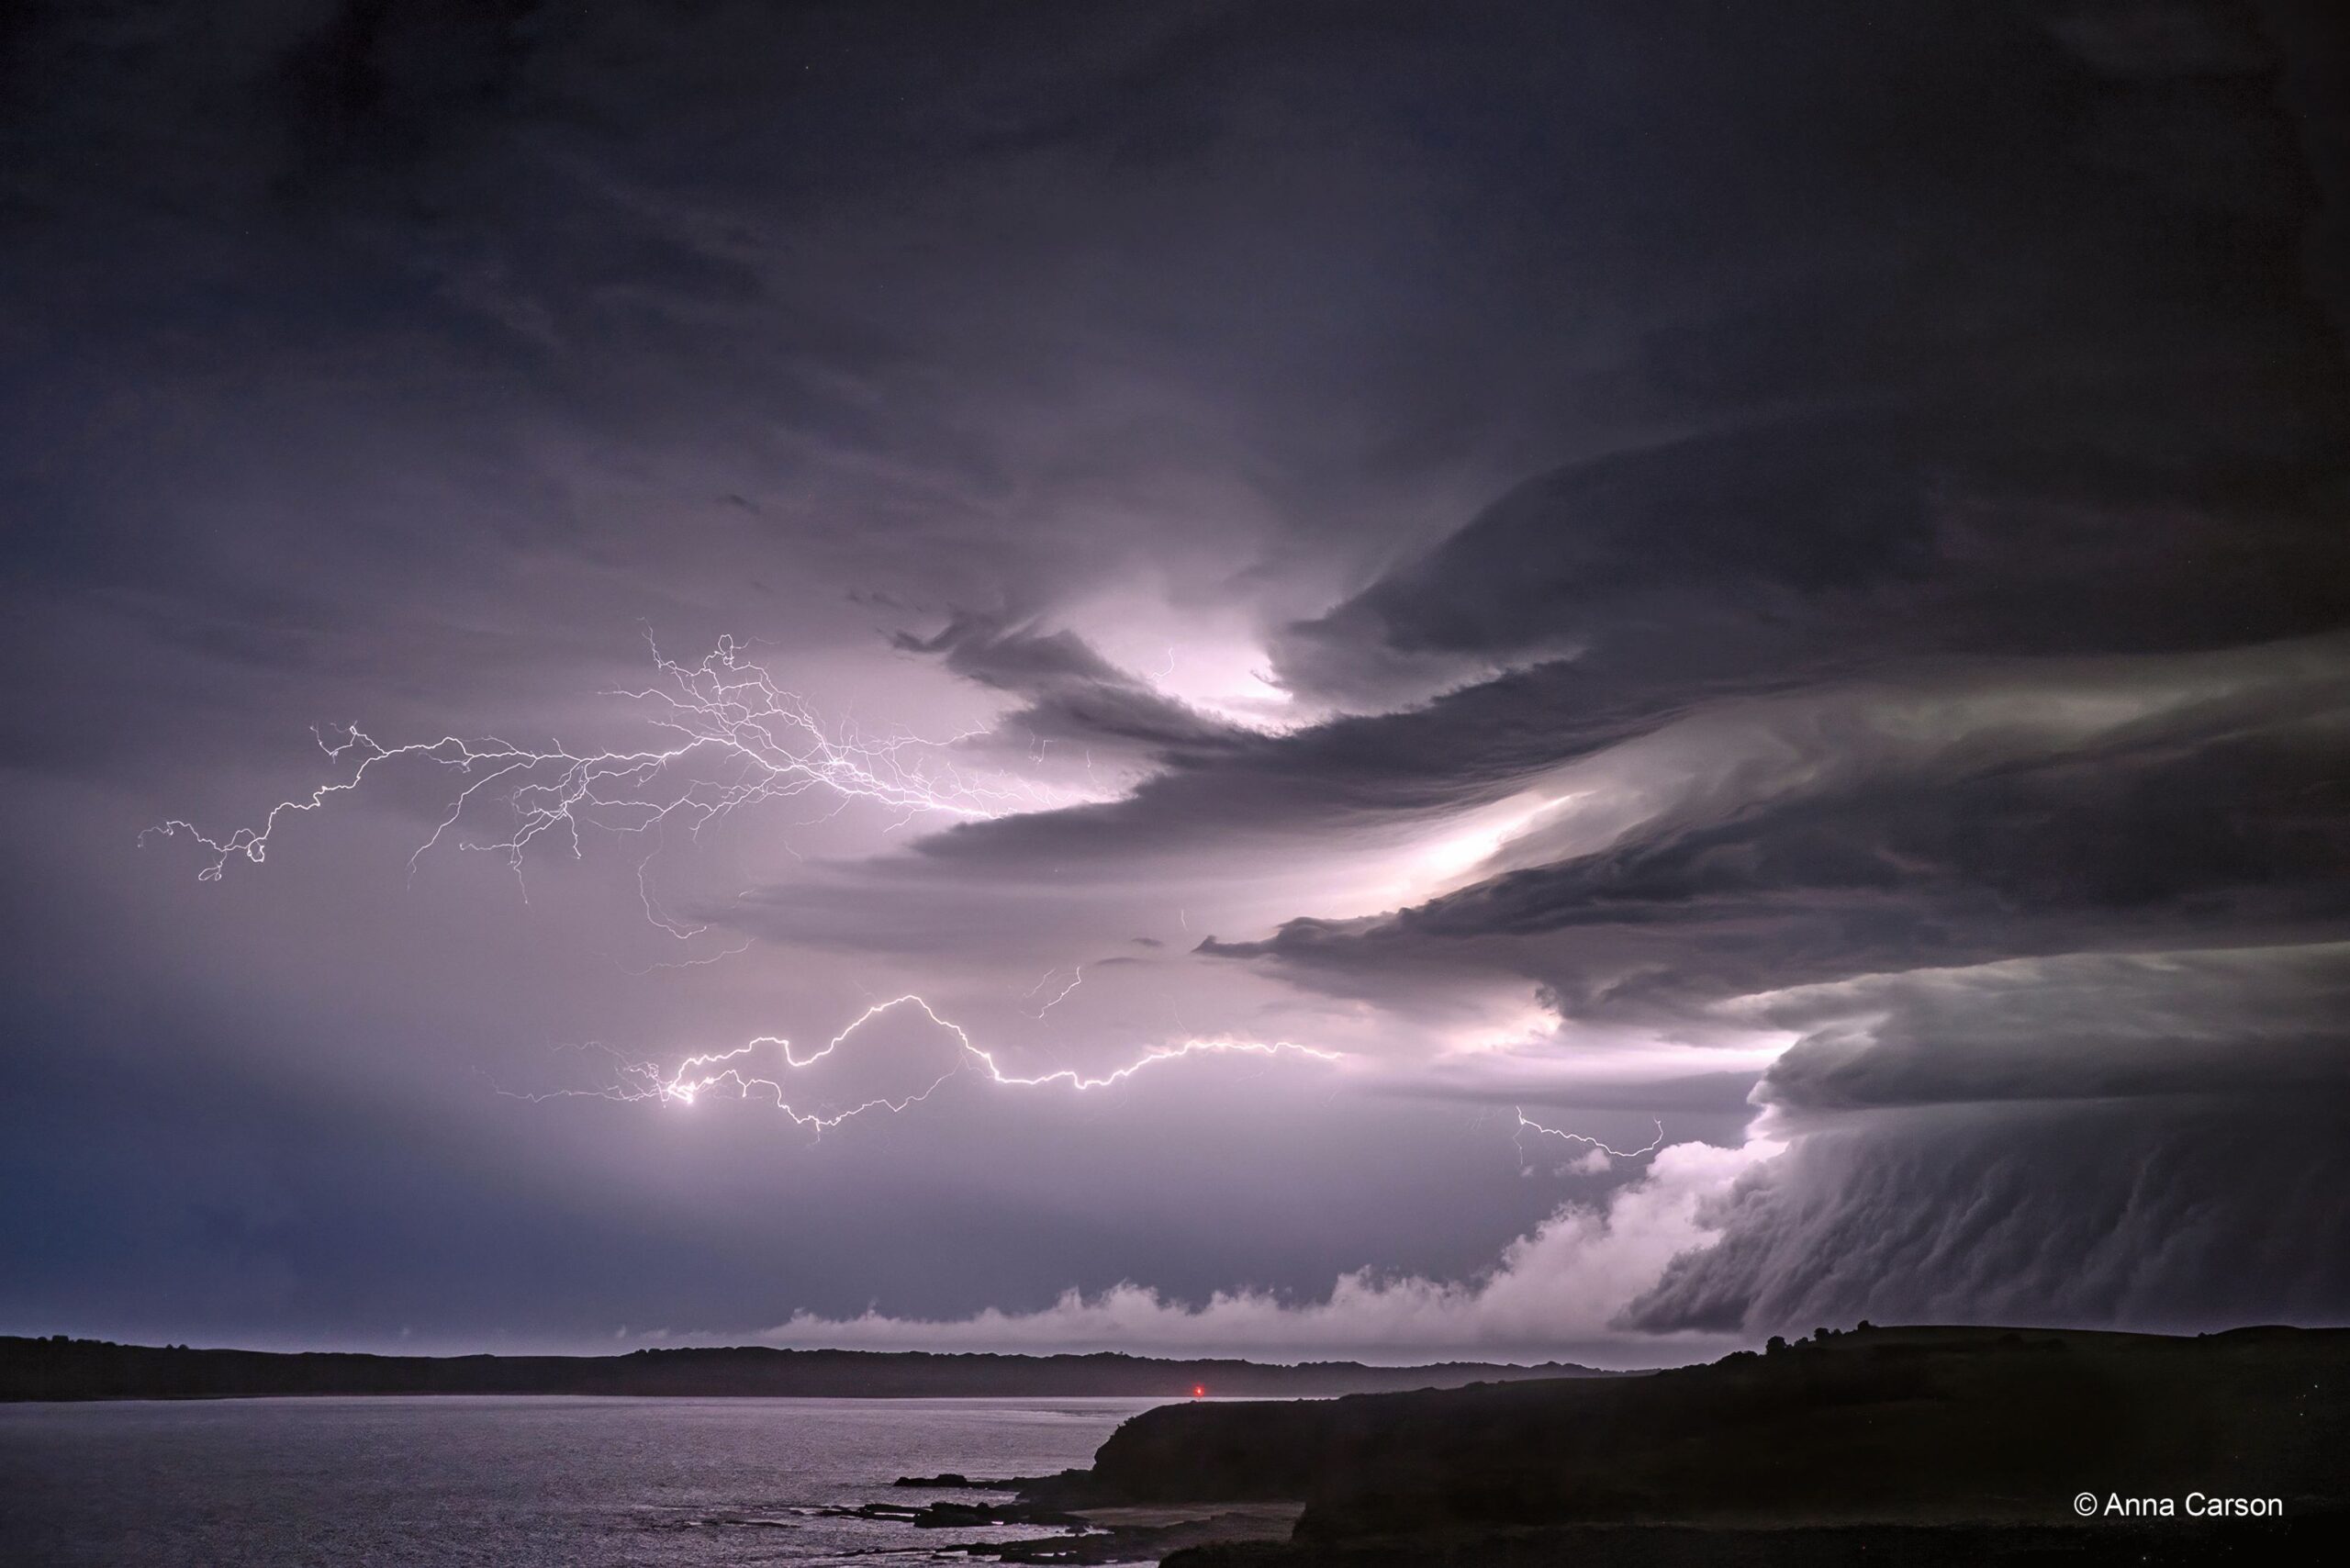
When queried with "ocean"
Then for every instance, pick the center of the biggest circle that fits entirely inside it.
(522, 1482)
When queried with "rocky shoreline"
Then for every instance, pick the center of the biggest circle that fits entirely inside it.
(1099, 1534)
(1914, 1445)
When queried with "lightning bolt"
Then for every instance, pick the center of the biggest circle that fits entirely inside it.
(1058, 997)
(730, 737)
(735, 738)
(1527, 1125)
(720, 1071)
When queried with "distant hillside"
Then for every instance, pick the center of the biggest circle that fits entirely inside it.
(1902, 1444)
(60, 1368)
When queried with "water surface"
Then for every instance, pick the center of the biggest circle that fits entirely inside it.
(528, 1483)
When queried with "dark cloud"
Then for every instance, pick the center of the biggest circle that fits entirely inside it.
(2186, 1219)
(1762, 557)
(1071, 692)
(2153, 1138)
(2085, 401)
(2260, 1024)
(1882, 830)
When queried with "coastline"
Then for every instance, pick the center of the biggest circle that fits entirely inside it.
(59, 1369)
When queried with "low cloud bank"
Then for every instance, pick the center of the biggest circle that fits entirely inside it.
(1558, 1292)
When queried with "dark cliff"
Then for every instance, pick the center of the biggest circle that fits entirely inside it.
(1953, 1429)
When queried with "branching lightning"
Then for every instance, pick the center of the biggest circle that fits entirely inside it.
(733, 737)
(721, 1071)
(740, 740)
(1058, 997)
(1526, 1124)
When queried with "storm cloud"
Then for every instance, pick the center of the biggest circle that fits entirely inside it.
(1429, 575)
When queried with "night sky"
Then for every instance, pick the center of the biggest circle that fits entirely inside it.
(1763, 586)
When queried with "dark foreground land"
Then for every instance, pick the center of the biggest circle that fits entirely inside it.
(63, 1369)
(1912, 1446)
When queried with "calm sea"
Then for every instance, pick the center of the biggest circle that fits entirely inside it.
(521, 1482)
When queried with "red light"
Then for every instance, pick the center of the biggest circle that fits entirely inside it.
(1198, 1391)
